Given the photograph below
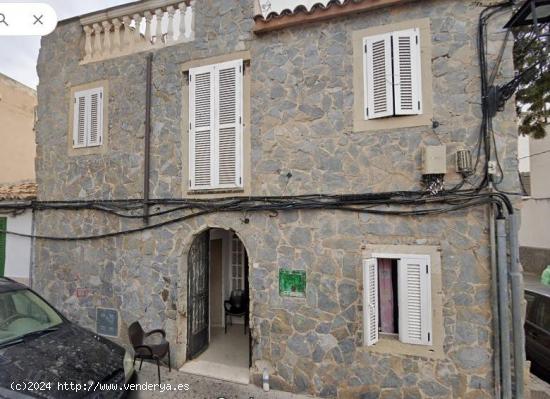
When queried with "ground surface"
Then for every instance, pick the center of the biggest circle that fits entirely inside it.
(209, 388)
(202, 387)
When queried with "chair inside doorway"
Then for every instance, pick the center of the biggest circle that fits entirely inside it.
(218, 283)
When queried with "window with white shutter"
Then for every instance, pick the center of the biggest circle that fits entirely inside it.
(215, 129)
(413, 304)
(370, 301)
(378, 76)
(392, 74)
(406, 72)
(415, 321)
(88, 118)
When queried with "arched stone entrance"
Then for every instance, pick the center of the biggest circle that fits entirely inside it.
(214, 267)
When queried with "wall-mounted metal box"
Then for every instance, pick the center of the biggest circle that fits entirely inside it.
(434, 160)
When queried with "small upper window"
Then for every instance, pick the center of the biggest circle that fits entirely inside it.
(392, 74)
(88, 118)
(397, 299)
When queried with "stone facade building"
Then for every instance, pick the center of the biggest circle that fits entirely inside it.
(301, 127)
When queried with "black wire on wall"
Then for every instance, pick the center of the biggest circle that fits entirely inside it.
(419, 203)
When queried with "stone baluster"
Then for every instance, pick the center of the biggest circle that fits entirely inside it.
(106, 37)
(116, 36)
(170, 29)
(148, 17)
(127, 37)
(88, 43)
(137, 33)
(158, 31)
(182, 7)
(97, 39)
(192, 24)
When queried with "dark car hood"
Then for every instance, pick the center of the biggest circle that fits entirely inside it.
(70, 354)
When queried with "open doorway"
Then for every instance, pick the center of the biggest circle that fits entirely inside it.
(217, 306)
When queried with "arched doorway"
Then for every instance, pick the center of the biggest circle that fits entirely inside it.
(218, 337)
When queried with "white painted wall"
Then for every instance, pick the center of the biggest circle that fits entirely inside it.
(535, 211)
(18, 249)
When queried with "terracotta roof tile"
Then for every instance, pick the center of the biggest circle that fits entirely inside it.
(271, 18)
(20, 191)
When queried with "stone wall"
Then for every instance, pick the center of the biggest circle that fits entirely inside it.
(301, 123)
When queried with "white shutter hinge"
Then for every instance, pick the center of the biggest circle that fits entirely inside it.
(100, 94)
(416, 39)
(190, 184)
(74, 100)
(427, 270)
(240, 120)
(240, 69)
(429, 336)
(367, 111)
(365, 49)
(240, 180)
(419, 104)
(189, 78)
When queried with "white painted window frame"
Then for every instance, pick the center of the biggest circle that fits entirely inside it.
(392, 72)
(427, 331)
(214, 126)
(87, 94)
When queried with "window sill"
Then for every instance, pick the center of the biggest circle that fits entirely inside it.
(92, 150)
(215, 191)
(390, 344)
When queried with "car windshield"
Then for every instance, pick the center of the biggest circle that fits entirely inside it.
(23, 312)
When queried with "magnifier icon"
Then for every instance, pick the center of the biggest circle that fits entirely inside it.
(3, 19)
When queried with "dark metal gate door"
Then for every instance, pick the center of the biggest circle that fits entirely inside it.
(197, 300)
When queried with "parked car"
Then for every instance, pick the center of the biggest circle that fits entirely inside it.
(537, 329)
(42, 354)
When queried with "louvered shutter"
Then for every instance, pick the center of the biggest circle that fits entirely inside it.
(79, 119)
(201, 127)
(370, 301)
(378, 76)
(229, 123)
(415, 309)
(406, 72)
(95, 117)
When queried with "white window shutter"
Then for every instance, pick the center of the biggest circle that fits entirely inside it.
(378, 76)
(229, 124)
(95, 117)
(415, 308)
(79, 119)
(407, 74)
(201, 127)
(370, 301)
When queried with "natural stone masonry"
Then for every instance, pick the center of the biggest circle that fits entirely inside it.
(301, 122)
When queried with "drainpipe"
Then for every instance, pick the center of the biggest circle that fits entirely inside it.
(147, 141)
(494, 302)
(503, 308)
(516, 279)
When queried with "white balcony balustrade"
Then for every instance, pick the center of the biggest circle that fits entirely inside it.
(131, 29)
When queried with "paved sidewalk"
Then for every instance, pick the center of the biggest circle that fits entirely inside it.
(201, 387)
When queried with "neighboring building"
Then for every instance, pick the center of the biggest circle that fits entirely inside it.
(534, 238)
(240, 108)
(17, 155)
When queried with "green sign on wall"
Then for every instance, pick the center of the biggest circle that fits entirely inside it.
(292, 283)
